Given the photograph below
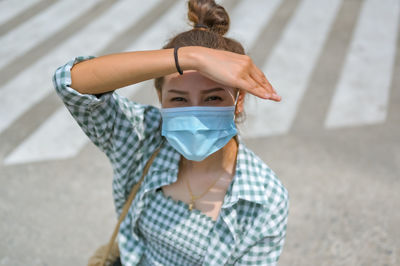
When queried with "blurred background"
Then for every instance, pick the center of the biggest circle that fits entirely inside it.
(333, 140)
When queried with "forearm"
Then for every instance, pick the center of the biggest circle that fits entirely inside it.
(110, 72)
(114, 71)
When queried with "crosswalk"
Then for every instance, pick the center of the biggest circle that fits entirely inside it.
(361, 92)
(290, 66)
(10, 9)
(366, 75)
(21, 39)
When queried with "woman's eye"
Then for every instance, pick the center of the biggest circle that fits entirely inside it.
(213, 98)
(178, 99)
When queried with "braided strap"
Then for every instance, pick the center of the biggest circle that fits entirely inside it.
(106, 254)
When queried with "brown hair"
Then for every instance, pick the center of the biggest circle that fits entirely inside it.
(215, 17)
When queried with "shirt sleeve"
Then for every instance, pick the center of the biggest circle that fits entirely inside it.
(267, 249)
(109, 120)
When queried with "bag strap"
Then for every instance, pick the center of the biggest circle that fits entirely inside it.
(128, 204)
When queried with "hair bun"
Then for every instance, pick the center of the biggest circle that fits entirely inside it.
(210, 14)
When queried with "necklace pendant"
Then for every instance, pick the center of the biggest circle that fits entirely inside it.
(190, 206)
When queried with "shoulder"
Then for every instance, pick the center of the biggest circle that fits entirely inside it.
(262, 186)
(272, 190)
(137, 128)
(137, 111)
(265, 208)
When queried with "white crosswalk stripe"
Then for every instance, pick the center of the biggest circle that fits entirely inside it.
(48, 141)
(246, 29)
(155, 36)
(73, 138)
(289, 66)
(39, 28)
(363, 90)
(34, 83)
(11, 8)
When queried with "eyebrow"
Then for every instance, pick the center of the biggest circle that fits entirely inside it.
(202, 92)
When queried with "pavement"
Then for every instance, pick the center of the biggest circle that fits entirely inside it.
(333, 140)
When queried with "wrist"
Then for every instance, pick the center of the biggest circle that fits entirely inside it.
(189, 57)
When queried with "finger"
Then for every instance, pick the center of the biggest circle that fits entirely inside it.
(276, 97)
(245, 85)
(259, 76)
(271, 94)
(268, 91)
(255, 89)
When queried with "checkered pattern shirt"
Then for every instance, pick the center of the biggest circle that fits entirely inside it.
(173, 234)
(251, 226)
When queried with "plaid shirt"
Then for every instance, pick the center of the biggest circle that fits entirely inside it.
(251, 226)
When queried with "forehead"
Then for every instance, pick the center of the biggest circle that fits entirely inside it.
(191, 81)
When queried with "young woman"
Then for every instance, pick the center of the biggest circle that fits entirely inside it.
(206, 199)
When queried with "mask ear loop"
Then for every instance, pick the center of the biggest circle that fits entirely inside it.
(236, 100)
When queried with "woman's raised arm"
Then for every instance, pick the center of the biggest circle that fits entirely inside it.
(114, 71)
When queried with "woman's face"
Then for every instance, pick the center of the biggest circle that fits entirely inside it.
(193, 89)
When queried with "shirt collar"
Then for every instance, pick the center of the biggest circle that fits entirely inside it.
(249, 182)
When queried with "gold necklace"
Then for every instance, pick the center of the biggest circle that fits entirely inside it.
(193, 198)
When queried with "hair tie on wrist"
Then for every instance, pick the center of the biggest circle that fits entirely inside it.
(176, 60)
(199, 25)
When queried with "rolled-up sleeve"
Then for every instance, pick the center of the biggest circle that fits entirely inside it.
(107, 119)
(126, 131)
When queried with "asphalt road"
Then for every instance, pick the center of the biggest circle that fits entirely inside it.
(334, 140)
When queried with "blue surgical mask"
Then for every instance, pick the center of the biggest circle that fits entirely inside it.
(198, 131)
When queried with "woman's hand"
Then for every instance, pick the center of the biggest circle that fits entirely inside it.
(230, 69)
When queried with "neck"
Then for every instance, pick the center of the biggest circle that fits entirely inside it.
(221, 160)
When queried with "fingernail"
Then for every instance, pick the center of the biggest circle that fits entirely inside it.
(267, 95)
